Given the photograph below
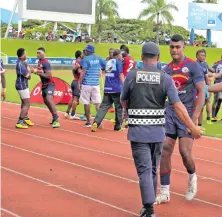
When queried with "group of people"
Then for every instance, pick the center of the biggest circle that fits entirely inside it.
(154, 124)
(140, 95)
(87, 70)
(210, 73)
(23, 75)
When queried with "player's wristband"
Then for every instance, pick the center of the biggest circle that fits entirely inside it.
(3, 90)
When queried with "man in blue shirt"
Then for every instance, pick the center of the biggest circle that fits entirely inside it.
(144, 93)
(112, 89)
(89, 79)
(217, 96)
(23, 73)
(201, 60)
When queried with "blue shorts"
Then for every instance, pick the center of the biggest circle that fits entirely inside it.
(207, 95)
(75, 89)
(48, 89)
(174, 126)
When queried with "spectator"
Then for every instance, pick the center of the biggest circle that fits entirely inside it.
(89, 79)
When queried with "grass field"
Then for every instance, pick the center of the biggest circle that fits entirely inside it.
(56, 49)
(12, 96)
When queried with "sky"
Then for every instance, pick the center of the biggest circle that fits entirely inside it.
(132, 8)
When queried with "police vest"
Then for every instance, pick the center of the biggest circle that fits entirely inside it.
(146, 105)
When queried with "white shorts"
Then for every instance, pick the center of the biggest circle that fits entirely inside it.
(90, 94)
(219, 95)
(24, 94)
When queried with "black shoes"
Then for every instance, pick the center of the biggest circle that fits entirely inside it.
(147, 213)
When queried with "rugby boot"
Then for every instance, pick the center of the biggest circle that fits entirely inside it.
(21, 125)
(94, 127)
(29, 122)
(192, 188)
(163, 197)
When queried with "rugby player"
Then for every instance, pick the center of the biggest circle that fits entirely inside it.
(188, 78)
(48, 85)
(73, 103)
(128, 64)
(217, 96)
(201, 60)
(23, 72)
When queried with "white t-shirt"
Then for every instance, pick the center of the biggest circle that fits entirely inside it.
(10, 29)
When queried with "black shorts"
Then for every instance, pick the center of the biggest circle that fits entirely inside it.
(48, 89)
(75, 89)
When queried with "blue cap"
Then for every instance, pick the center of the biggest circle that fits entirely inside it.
(151, 48)
(90, 48)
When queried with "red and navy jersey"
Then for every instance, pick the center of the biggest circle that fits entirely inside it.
(128, 64)
(78, 65)
(218, 69)
(45, 65)
(185, 75)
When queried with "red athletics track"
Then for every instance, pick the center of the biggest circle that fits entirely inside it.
(72, 172)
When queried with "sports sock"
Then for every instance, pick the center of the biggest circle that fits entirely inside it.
(72, 113)
(165, 178)
(191, 176)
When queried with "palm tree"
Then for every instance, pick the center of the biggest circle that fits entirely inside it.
(158, 11)
(108, 9)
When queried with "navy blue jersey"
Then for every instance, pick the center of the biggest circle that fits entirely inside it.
(21, 82)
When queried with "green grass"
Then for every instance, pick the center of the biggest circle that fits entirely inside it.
(56, 49)
(12, 96)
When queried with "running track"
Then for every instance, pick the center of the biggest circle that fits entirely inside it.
(71, 172)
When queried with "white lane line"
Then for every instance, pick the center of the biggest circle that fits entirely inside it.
(102, 152)
(201, 177)
(51, 185)
(98, 171)
(79, 194)
(9, 212)
(71, 163)
(103, 138)
(65, 143)
(213, 149)
(201, 159)
(74, 132)
(62, 114)
(69, 191)
(45, 109)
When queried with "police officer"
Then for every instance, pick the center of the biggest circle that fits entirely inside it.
(144, 94)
